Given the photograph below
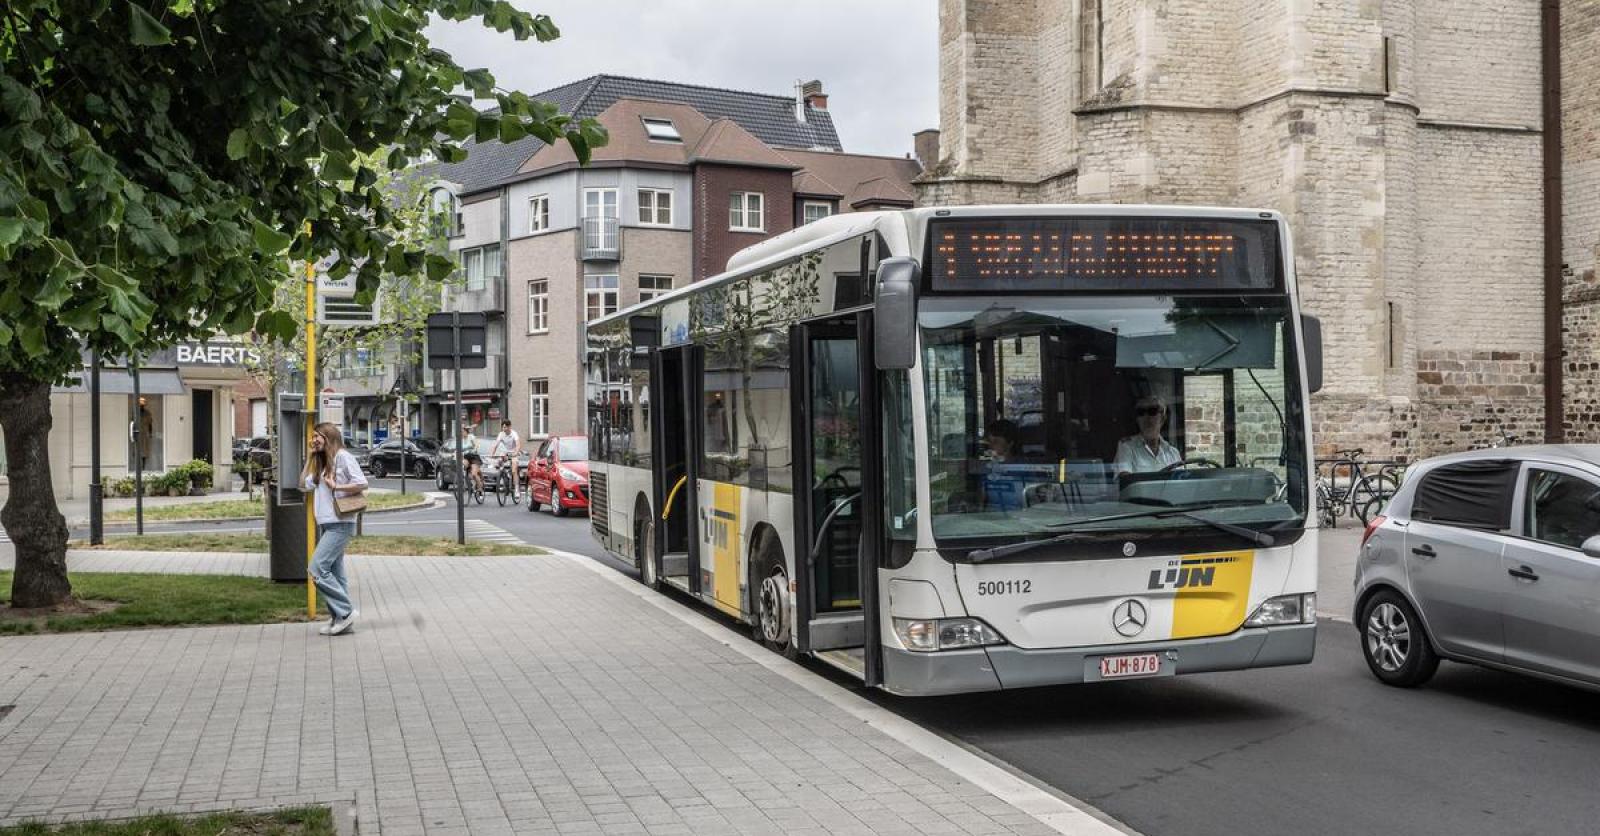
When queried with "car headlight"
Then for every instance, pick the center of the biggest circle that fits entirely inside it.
(1285, 609)
(570, 476)
(928, 635)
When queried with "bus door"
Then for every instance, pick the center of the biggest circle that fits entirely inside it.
(836, 484)
(677, 383)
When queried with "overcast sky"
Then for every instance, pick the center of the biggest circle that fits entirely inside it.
(877, 59)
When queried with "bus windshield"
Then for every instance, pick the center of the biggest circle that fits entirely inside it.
(1046, 412)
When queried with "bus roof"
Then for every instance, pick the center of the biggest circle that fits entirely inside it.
(833, 228)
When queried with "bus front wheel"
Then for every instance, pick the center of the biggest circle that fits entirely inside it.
(644, 548)
(772, 600)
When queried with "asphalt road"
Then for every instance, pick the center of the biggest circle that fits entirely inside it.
(1316, 749)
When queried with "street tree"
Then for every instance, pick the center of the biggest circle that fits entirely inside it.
(159, 160)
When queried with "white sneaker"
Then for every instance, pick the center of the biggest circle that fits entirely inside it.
(326, 629)
(343, 624)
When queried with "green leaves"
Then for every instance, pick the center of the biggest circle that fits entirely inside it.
(144, 30)
(238, 144)
(269, 241)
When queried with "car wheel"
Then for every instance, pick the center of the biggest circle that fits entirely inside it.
(378, 469)
(1394, 643)
(555, 501)
(419, 469)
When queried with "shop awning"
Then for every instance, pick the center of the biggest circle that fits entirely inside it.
(120, 382)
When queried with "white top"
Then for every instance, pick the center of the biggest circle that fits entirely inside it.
(506, 442)
(1134, 456)
(345, 472)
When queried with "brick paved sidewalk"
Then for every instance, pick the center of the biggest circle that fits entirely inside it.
(477, 695)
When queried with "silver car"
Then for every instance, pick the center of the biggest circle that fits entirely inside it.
(1490, 557)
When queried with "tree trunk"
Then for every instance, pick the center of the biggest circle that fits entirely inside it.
(30, 516)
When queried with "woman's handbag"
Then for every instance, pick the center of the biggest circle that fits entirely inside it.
(347, 504)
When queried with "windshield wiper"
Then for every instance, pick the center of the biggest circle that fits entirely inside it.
(1077, 530)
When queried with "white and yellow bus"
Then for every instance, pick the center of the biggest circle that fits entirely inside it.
(975, 448)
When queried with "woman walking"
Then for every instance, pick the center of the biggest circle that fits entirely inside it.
(332, 474)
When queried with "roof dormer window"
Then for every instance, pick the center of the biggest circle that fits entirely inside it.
(661, 130)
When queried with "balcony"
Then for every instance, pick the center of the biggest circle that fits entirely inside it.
(488, 299)
(602, 240)
(473, 380)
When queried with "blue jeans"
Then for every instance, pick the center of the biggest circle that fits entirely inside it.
(327, 566)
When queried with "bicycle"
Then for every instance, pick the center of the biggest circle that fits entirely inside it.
(474, 483)
(505, 482)
(1344, 485)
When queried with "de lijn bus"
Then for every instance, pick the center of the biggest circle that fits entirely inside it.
(966, 449)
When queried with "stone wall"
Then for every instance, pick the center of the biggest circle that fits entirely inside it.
(1580, 135)
(1476, 398)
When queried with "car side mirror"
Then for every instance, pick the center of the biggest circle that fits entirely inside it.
(1591, 547)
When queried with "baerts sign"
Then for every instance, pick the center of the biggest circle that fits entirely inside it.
(216, 354)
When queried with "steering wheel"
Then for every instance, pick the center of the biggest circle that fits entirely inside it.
(1190, 462)
(838, 476)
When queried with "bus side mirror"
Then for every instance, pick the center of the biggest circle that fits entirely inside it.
(1591, 547)
(894, 325)
(1311, 327)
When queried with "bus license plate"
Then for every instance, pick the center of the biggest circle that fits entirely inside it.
(1125, 667)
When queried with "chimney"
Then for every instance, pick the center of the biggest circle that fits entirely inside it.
(812, 96)
(926, 143)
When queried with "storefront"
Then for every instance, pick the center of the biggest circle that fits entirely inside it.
(183, 410)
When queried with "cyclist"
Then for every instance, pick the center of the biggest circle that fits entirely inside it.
(507, 447)
(469, 454)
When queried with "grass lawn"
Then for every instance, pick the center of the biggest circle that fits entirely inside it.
(303, 821)
(122, 601)
(223, 509)
(372, 544)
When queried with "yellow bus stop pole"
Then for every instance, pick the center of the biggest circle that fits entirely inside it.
(312, 403)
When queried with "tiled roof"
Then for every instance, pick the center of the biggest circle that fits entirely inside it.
(769, 118)
(725, 142)
(859, 179)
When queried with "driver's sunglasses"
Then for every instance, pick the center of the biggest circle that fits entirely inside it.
(1148, 411)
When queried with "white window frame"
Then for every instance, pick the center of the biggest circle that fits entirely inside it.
(646, 294)
(597, 288)
(653, 129)
(538, 306)
(741, 214)
(600, 203)
(538, 407)
(479, 256)
(807, 205)
(653, 206)
(539, 213)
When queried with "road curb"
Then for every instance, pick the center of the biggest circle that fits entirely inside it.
(425, 505)
(1051, 807)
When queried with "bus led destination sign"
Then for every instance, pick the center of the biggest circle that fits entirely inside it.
(1044, 255)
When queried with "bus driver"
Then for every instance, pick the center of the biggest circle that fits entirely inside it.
(1147, 452)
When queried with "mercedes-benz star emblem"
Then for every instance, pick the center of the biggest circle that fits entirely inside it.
(1128, 549)
(1129, 618)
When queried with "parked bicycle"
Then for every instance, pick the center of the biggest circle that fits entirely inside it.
(1349, 484)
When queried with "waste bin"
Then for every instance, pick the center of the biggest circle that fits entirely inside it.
(286, 537)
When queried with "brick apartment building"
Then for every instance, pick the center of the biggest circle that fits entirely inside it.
(1402, 139)
(691, 175)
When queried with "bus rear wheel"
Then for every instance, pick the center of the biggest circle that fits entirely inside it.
(644, 549)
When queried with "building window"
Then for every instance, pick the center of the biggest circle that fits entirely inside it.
(538, 306)
(655, 207)
(745, 212)
(600, 295)
(1091, 45)
(815, 210)
(651, 286)
(444, 214)
(539, 213)
(661, 130)
(538, 407)
(599, 203)
(479, 265)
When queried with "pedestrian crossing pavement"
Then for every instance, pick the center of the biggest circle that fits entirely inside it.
(481, 531)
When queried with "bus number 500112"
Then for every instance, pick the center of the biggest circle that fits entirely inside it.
(1005, 587)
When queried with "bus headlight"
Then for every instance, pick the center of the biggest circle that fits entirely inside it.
(928, 635)
(1285, 609)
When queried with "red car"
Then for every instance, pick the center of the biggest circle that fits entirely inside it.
(558, 475)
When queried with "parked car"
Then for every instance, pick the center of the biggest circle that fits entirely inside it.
(259, 453)
(241, 448)
(1490, 557)
(558, 476)
(491, 471)
(362, 453)
(421, 458)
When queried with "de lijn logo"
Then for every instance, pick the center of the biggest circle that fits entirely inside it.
(1182, 577)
